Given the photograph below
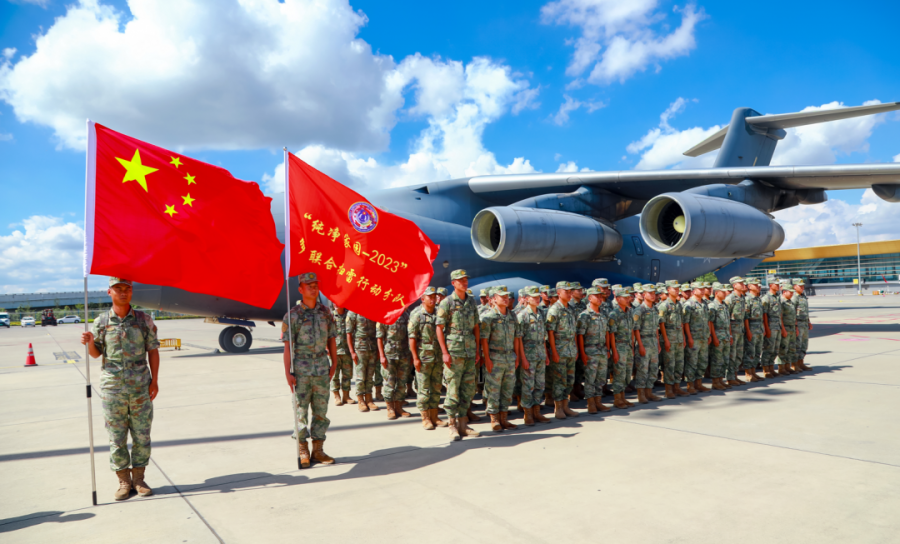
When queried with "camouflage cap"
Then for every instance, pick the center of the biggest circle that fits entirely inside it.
(649, 287)
(752, 281)
(458, 274)
(469, 292)
(696, 285)
(672, 283)
(620, 292)
(563, 285)
(616, 286)
(660, 284)
(521, 292)
(594, 291)
(532, 291)
(575, 285)
(442, 291)
(636, 289)
(600, 282)
(798, 281)
(629, 290)
(685, 287)
(716, 286)
(736, 279)
(544, 288)
(636, 285)
(429, 291)
(552, 292)
(662, 291)
(115, 281)
(707, 285)
(784, 283)
(727, 287)
(484, 293)
(499, 290)
(308, 277)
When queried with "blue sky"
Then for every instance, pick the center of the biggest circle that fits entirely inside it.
(387, 93)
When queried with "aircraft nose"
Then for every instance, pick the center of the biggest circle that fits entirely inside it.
(146, 295)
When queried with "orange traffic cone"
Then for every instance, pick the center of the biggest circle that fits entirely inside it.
(29, 361)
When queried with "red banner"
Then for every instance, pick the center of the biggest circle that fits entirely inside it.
(158, 217)
(367, 260)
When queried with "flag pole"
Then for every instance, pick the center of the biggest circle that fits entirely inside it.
(90, 182)
(287, 293)
(87, 374)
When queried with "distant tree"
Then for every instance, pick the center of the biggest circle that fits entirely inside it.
(709, 276)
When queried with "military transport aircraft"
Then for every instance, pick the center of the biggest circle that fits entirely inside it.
(626, 226)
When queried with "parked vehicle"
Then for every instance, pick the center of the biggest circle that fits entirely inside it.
(47, 318)
(69, 319)
(27, 321)
(4, 319)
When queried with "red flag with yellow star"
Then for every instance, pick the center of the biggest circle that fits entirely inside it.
(159, 217)
(367, 260)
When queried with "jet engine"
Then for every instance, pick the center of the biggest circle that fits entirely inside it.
(530, 235)
(692, 225)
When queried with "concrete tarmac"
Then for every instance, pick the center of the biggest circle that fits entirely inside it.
(808, 458)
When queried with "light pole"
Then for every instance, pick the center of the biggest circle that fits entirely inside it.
(858, 266)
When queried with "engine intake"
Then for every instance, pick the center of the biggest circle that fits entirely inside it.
(529, 235)
(692, 225)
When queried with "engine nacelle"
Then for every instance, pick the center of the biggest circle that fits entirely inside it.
(529, 235)
(692, 225)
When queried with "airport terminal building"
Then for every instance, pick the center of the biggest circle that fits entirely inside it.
(832, 270)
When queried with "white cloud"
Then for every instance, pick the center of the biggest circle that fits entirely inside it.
(571, 166)
(664, 146)
(897, 158)
(4, 137)
(619, 39)
(458, 101)
(831, 222)
(193, 74)
(569, 105)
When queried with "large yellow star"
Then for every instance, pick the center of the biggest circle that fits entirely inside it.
(188, 200)
(190, 179)
(176, 161)
(171, 210)
(135, 171)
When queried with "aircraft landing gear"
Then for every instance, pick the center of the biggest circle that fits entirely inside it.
(235, 339)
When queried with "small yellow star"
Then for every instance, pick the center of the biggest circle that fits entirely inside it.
(188, 200)
(171, 210)
(176, 161)
(135, 171)
(190, 179)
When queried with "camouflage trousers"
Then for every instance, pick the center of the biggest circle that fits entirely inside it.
(647, 366)
(753, 347)
(530, 383)
(579, 370)
(718, 355)
(500, 382)
(770, 344)
(802, 340)
(342, 374)
(787, 349)
(696, 359)
(311, 391)
(563, 374)
(460, 378)
(428, 385)
(736, 354)
(395, 377)
(673, 363)
(622, 370)
(127, 408)
(595, 370)
(377, 378)
(364, 372)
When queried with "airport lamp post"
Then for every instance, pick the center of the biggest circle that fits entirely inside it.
(858, 265)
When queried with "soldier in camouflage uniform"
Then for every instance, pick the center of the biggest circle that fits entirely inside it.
(561, 336)
(577, 305)
(549, 296)
(424, 347)
(594, 342)
(395, 358)
(646, 360)
(787, 350)
(697, 319)
(534, 350)
(774, 331)
(361, 343)
(309, 328)
(484, 301)
(341, 381)
(126, 339)
(622, 324)
(458, 334)
(501, 346)
(441, 293)
(755, 331)
(738, 312)
(720, 348)
(671, 317)
(804, 325)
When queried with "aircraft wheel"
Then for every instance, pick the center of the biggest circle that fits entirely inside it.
(235, 339)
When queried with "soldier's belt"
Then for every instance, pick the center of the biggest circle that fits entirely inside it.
(586, 345)
(501, 351)
(302, 355)
(125, 364)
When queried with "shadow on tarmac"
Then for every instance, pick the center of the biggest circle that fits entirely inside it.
(829, 329)
(37, 518)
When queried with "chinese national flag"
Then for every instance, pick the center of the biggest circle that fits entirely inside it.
(367, 260)
(161, 218)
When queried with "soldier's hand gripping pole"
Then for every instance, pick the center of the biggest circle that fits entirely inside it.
(90, 418)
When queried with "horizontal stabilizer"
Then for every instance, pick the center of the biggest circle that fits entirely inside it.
(710, 144)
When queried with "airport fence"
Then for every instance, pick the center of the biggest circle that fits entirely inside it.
(15, 317)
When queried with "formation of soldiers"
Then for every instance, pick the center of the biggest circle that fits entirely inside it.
(555, 345)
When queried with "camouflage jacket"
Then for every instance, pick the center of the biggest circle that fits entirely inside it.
(362, 330)
(802, 305)
(561, 323)
(340, 332)
(697, 318)
(459, 319)
(754, 308)
(593, 326)
(788, 312)
(124, 341)
(622, 323)
(671, 314)
(771, 306)
(421, 327)
(534, 331)
(395, 337)
(648, 321)
(721, 319)
(578, 307)
(737, 311)
(310, 330)
(500, 330)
